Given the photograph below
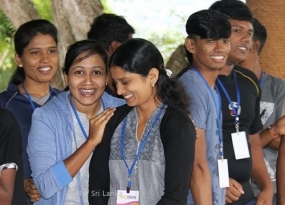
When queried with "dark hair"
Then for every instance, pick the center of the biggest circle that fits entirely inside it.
(79, 47)
(207, 24)
(140, 56)
(23, 36)
(110, 27)
(259, 34)
(235, 9)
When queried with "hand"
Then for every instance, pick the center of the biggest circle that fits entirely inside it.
(265, 197)
(97, 125)
(31, 190)
(234, 191)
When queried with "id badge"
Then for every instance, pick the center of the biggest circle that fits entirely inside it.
(240, 145)
(223, 173)
(124, 198)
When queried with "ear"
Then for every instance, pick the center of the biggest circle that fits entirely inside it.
(65, 79)
(255, 46)
(153, 74)
(18, 60)
(190, 45)
(114, 45)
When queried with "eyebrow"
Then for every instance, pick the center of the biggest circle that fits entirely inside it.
(42, 48)
(96, 66)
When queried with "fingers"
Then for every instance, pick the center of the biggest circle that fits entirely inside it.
(97, 125)
(32, 190)
(234, 191)
(104, 116)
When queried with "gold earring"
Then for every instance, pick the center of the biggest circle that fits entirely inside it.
(151, 84)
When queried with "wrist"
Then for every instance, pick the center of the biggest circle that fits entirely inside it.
(273, 131)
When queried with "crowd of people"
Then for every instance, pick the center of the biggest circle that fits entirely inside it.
(124, 131)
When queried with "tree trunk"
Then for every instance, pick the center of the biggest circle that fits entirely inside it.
(19, 11)
(72, 18)
(271, 15)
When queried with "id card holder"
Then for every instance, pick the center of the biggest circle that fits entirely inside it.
(223, 173)
(124, 198)
(240, 145)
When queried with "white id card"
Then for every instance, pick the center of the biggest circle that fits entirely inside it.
(124, 198)
(223, 173)
(240, 145)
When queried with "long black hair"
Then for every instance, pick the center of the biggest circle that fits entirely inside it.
(140, 56)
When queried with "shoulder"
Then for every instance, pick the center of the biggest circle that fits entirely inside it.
(184, 70)
(175, 116)
(56, 91)
(111, 101)
(57, 106)
(11, 91)
(249, 76)
(7, 121)
(273, 79)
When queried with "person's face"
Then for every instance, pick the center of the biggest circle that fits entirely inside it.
(208, 53)
(39, 59)
(136, 89)
(86, 80)
(240, 41)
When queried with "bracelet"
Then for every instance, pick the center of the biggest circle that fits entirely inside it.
(271, 131)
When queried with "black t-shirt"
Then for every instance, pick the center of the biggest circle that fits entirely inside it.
(11, 150)
(249, 121)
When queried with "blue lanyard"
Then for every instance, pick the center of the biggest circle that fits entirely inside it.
(261, 79)
(218, 110)
(29, 96)
(235, 110)
(122, 138)
(77, 117)
(86, 136)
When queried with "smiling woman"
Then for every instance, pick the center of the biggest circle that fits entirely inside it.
(66, 131)
(37, 59)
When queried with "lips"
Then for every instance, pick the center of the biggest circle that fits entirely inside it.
(128, 96)
(87, 92)
(44, 69)
(242, 48)
(218, 58)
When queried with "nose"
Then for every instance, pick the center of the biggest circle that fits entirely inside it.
(220, 46)
(44, 57)
(246, 37)
(120, 89)
(88, 79)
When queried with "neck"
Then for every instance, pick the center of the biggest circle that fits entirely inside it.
(146, 110)
(226, 70)
(209, 75)
(37, 90)
(257, 70)
(90, 111)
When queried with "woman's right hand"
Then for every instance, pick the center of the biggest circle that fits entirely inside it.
(31, 190)
(97, 125)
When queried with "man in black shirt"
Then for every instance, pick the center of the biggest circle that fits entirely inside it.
(240, 95)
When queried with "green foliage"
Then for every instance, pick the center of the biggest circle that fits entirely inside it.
(7, 64)
(44, 9)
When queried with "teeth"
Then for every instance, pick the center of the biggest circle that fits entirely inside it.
(218, 57)
(45, 69)
(242, 48)
(128, 96)
(87, 91)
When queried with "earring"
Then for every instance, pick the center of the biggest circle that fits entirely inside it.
(151, 84)
(20, 65)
